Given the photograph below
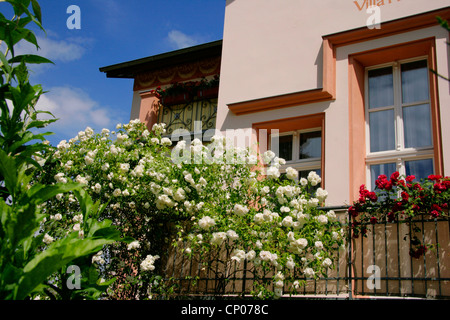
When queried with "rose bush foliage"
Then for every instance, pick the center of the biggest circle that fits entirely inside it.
(203, 197)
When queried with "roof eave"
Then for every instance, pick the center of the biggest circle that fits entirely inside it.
(129, 69)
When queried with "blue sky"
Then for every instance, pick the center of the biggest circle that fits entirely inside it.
(112, 31)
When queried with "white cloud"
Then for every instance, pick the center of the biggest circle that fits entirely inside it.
(56, 50)
(67, 50)
(75, 111)
(61, 50)
(180, 40)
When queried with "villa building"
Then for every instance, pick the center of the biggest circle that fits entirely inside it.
(350, 89)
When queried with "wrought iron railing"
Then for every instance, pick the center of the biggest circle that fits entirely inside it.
(184, 116)
(385, 254)
(378, 265)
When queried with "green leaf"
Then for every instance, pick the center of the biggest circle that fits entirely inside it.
(40, 193)
(56, 256)
(444, 23)
(5, 65)
(25, 224)
(30, 58)
(86, 204)
(21, 7)
(9, 277)
(8, 170)
(23, 21)
(40, 123)
(36, 10)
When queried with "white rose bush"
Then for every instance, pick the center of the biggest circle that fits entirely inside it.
(199, 198)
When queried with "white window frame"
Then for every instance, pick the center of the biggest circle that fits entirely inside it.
(401, 154)
(298, 164)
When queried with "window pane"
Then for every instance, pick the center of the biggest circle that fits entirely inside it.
(378, 169)
(285, 147)
(419, 168)
(417, 126)
(310, 145)
(381, 88)
(382, 130)
(415, 81)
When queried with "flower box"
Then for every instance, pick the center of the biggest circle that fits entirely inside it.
(176, 99)
(208, 93)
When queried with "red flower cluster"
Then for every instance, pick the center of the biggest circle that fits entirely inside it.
(398, 198)
(440, 185)
(383, 183)
(365, 194)
(418, 252)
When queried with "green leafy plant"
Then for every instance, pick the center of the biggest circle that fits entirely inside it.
(28, 257)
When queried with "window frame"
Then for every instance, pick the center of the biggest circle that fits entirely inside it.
(401, 154)
(298, 164)
(262, 131)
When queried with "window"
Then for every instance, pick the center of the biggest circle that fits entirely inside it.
(398, 120)
(299, 140)
(302, 150)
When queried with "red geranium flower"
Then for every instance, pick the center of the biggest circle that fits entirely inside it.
(405, 196)
(394, 177)
(352, 210)
(383, 183)
(434, 177)
(435, 214)
(435, 206)
(372, 196)
(421, 250)
(398, 206)
(439, 187)
(391, 216)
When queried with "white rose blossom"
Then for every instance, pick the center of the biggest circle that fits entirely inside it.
(291, 173)
(327, 262)
(240, 210)
(48, 239)
(134, 245)
(206, 222)
(238, 255)
(309, 272)
(218, 238)
(148, 263)
(273, 172)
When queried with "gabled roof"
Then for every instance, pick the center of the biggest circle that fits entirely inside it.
(129, 69)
